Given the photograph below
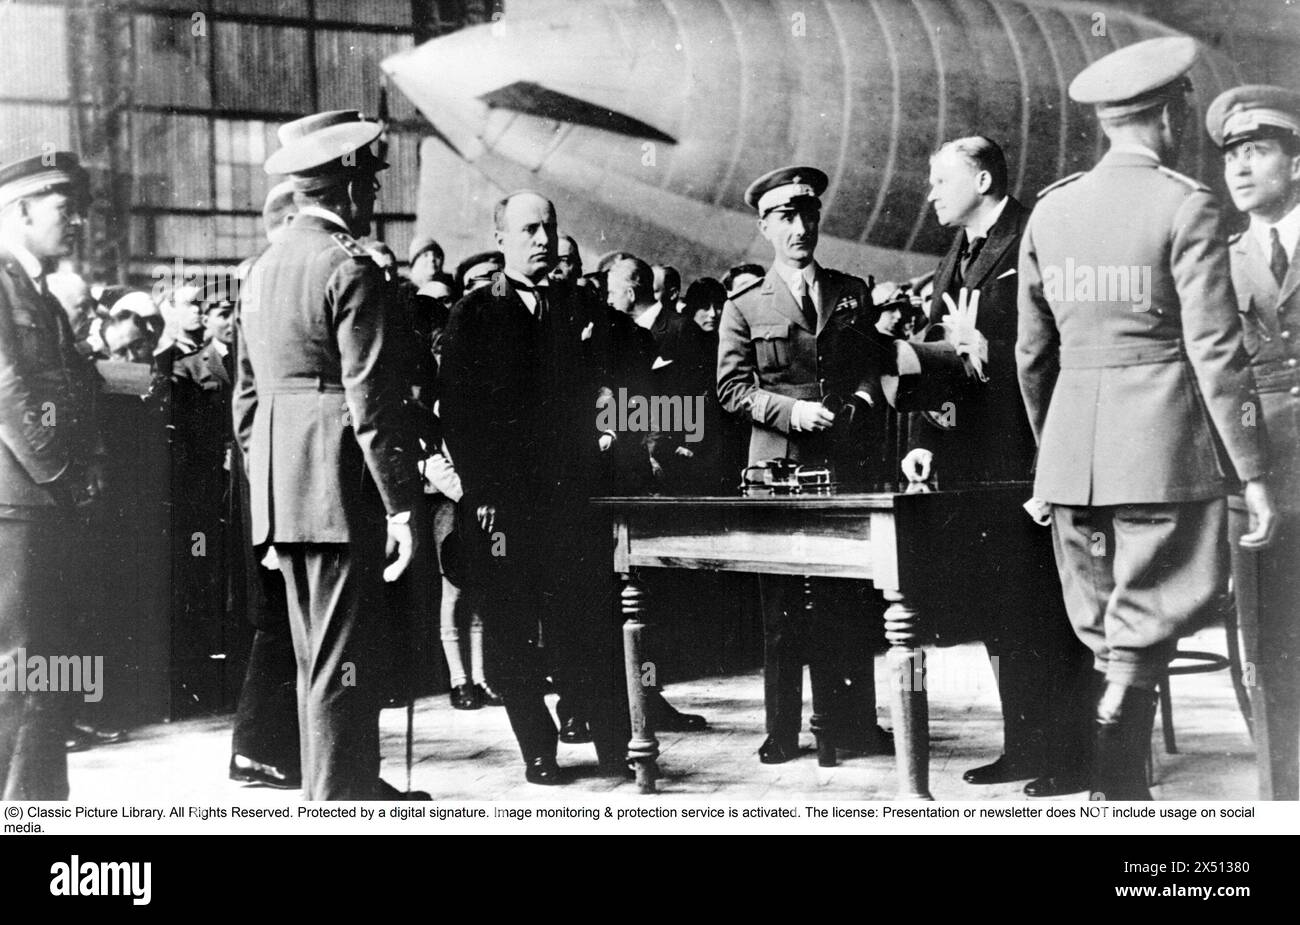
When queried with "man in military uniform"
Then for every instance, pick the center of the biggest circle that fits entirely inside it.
(264, 736)
(1131, 363)
(318, 411)
(50, 463)
(1258, 128)
(792, 359)
(968, 426)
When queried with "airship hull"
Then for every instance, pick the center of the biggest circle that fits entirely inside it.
(645, 121)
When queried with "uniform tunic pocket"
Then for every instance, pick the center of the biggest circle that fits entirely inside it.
(772, 345)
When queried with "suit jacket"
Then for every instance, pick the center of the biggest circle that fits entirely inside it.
(318, 406)
(518, 408)
(47, 396)
(666, 325)
(977, 430)
(769, 357)
(1269, 316)
(1139, 399)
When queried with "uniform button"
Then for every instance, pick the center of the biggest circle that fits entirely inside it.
(1286, 335)
(1292, 362)
(1295, 391)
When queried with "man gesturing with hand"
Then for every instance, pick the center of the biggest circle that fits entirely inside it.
(968, 428)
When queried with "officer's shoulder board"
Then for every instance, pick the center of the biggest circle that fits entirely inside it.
(1059, 183)
(350, 246)
(747, 288)
(1196, 185)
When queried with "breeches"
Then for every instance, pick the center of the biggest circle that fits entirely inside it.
(1137, 577)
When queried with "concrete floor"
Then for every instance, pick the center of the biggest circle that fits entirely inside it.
(472, 755)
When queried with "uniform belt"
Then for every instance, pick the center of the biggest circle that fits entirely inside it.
(299, 386)
(1275, 376)
(1161, 351)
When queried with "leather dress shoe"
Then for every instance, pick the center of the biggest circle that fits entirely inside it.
(488, 697)
(82, 736)
(388, 792)
(868, 741)
(543, 771)
(1002, 771)
(774, 752)
(1055, 785)
(664, 717)
(247, 771)
(465, 697)
(574, 731)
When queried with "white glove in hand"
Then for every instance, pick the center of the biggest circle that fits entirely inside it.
(1040, 510)
(961, 332)
(440, 475)
(916, 465)
(810, 415)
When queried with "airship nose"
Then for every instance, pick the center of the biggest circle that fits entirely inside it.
(545, 63)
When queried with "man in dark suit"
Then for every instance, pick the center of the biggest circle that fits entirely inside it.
(50, 463)
(969, 428)
(791, 347)
(319, 414)
(1130, 357)
(1258, 128)
(519, 416)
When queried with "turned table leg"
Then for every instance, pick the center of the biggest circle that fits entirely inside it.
(908, 705)
(643, 748)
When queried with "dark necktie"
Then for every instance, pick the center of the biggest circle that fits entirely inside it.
(539, 295)
(53, 306)
(970, 251)
(806, 304)
(1277, 261)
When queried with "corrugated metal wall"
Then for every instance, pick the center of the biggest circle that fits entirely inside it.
(33, 68)
(264, 68)
(176, 72)
(347, 67)
(373, 12)
(26, 128)
(33, 51)
(208, 83)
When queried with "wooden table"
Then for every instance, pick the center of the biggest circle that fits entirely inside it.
(924, 552)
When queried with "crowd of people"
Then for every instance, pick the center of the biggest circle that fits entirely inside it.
(355, 425)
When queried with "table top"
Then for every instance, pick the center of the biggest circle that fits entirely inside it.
(872, 500)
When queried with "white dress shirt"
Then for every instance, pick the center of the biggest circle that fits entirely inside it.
(529, 297)
(799, 279)
(1288, 232)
